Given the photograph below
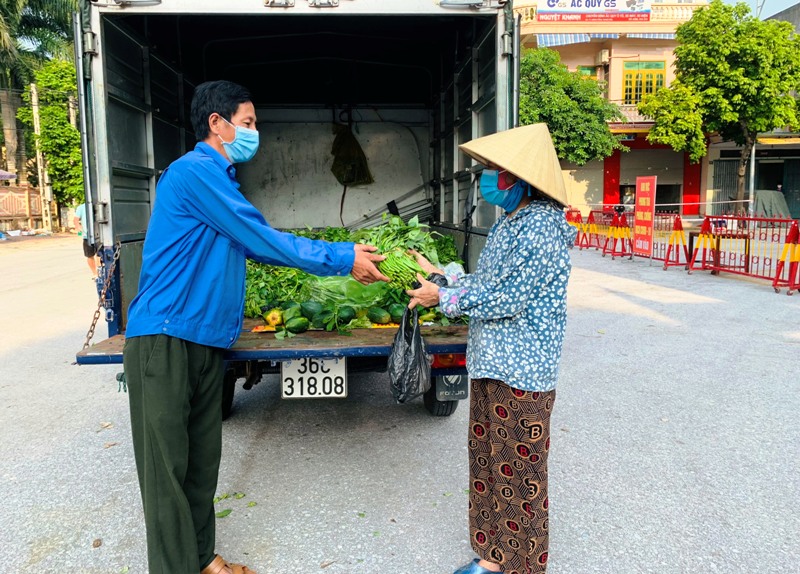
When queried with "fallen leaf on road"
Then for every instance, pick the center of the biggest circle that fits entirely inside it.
(223, 513)
(97, 543)
(327, 563)
(251, 504)
(104, 426)
(238, 495)
(110, 444)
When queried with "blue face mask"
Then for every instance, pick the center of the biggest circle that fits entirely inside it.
(244, 145)
(507, 199)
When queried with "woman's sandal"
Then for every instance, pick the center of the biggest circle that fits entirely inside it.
(219, 564)
(474, 568)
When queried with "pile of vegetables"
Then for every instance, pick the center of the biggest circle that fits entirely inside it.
(292, 301)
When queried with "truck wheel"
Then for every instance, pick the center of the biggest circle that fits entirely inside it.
(436, 407)
(228, 388)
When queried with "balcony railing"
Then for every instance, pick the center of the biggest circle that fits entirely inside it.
(631, 113)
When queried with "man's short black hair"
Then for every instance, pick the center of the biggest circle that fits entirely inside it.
(220, 96)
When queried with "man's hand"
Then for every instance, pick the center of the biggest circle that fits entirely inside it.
(427, 295)
(364, 269)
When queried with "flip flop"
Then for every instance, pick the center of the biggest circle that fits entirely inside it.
(219, 564)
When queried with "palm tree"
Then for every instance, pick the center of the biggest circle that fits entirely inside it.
(31, 31)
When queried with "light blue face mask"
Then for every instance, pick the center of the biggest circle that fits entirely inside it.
(244, 145)
(507, 199)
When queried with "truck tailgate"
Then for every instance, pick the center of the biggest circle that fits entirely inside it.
(264, 346)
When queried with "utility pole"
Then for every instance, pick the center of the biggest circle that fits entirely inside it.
(72, 104)
(45, 190)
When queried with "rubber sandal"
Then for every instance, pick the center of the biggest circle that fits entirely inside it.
(474, 568)
(218, 565)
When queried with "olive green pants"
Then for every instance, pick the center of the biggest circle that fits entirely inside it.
(175, 393)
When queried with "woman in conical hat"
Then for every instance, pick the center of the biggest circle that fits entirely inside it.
(516, 304)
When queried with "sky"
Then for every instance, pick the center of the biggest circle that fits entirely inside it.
(770, 6)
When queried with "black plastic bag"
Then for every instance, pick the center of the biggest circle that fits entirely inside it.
(409, 363)
(437, 279)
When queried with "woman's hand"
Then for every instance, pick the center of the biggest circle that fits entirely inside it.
(427, 295)
(426, 265)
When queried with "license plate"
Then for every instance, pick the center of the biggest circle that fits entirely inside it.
(310, 378)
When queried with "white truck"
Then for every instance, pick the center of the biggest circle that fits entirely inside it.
(412, 79)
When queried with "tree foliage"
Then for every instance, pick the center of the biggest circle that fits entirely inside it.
(572, 106)
(60, 140)
(735, 75)
(31, 32)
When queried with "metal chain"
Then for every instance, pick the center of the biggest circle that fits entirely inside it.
(101, 301)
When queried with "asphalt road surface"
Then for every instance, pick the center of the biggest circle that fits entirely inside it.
(675, 445)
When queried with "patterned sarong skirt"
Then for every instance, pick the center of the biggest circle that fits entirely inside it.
(509, 439)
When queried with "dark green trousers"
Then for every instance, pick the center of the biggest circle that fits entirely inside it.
(175, 393)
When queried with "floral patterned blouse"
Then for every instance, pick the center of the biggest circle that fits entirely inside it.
(516, 299)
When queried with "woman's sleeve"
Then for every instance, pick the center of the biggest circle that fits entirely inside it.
(507, 292)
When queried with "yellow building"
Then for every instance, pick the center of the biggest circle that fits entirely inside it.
(628, 45)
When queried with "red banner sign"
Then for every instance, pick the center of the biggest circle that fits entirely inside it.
(644, 215)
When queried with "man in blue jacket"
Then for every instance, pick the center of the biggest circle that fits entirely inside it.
(190, 307)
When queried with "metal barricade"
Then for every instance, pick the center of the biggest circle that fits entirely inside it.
(575, 219)
(787, 273)
(748, 246)
(669, 240)
(595, 229)
(618, 239)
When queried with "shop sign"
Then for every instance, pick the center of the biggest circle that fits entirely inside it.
(593, 10)
(644, 213)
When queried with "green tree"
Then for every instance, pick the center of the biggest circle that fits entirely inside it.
(31, 32)
(572, 106)
(735, 75)
(60, 140)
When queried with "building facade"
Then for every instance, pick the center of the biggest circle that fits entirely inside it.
(629, 46)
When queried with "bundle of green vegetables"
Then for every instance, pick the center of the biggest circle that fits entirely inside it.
(394, 239)
(280, 295)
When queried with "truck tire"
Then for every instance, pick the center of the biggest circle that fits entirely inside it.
(228, 388)
(436, 407)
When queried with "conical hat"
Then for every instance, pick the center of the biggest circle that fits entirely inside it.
(528, 153)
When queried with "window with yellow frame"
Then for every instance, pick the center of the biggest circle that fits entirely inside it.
(640, 79)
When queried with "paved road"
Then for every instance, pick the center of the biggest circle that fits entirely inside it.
(675, 441)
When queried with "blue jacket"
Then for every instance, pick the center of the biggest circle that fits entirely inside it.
(516, 299)
(201, 230)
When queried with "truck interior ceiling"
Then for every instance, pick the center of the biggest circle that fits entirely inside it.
(316, 60)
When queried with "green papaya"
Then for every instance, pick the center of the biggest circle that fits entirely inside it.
(310, 308)
(289, 304)
(378, 315)
(396, 310)
(346, 314)
(297, 325)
